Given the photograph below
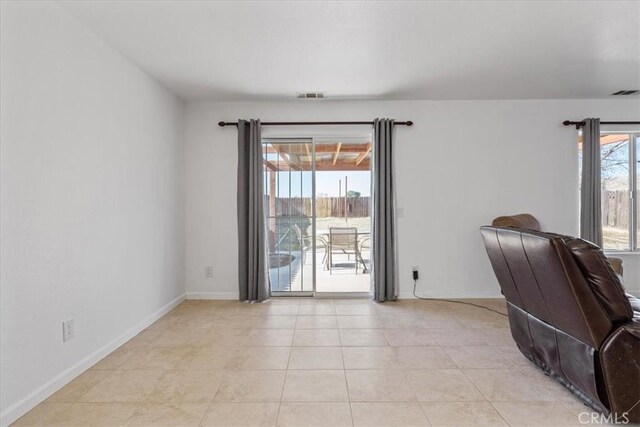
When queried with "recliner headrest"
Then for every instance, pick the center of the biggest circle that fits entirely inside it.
(524, 221)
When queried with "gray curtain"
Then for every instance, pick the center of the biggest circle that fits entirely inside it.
(383, 237)
(252, 248)
(590, 195)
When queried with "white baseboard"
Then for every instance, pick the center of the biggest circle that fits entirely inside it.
(213, 295)
(451, 295)
(402, 295)
(24, 405)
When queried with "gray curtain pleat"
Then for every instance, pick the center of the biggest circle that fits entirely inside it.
(383, 237)
(590, 194)
(253, 276)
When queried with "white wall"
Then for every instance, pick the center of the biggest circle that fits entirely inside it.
(91, 200)
(461, 164)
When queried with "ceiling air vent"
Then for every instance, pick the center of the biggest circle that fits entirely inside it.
(310, 95)
(626, 92)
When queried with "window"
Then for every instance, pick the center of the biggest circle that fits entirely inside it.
(619, 153)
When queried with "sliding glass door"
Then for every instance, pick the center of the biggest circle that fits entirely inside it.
(317, 203)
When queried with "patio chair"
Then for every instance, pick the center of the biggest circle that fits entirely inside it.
(306, 243)
(344, 240)
(364, 244)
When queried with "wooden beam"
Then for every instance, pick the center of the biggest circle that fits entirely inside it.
(341, 162)
(344, 148)
(324, 165)
(295, 159)
(308, 163)
(335, 156)
(286, 157)
(347, 168)
(294, 151)
(362, 155)
(320, 148)
(273, 167)
(342, 165)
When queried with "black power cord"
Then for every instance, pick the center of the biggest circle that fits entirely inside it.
(415, 284)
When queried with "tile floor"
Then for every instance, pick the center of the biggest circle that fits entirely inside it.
(306, 362)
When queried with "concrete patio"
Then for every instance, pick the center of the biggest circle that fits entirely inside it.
(342, 277)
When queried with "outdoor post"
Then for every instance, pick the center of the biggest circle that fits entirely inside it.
(339, 197)
(346, 200)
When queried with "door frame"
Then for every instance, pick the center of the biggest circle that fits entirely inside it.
(314, 138)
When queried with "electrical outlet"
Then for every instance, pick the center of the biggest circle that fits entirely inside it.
(414, 272)
(67, 330)
(208, 271)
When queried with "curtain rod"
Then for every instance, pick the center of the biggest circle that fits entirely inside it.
(578, 125)
(223, 124)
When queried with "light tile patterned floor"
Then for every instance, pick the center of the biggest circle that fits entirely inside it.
(304, 362)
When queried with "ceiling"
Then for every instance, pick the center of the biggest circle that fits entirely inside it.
(238, 51)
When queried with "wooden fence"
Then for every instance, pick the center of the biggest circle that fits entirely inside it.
(358, 207)
(615, 209)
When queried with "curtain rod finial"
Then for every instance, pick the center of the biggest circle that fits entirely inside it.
(409, 123)
(222, 124)
(569, 123)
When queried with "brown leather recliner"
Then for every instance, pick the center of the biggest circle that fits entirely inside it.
(569, 314)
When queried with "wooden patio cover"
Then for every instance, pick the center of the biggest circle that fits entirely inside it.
(334, 156)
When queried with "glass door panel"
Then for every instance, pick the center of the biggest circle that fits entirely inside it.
(343, 214)
(288, 175)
